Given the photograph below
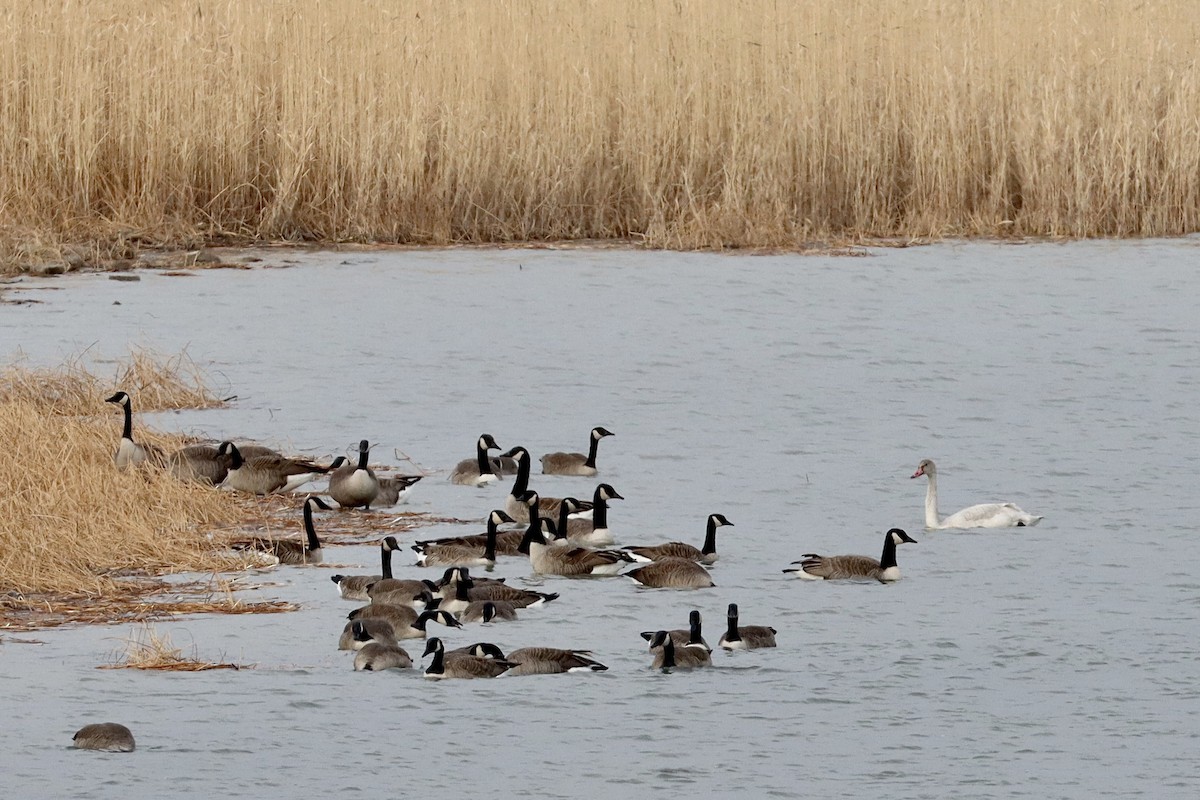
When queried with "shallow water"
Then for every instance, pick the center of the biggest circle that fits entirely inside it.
(796, 396)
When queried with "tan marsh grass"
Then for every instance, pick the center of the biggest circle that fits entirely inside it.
(698, 123)
(152, 650)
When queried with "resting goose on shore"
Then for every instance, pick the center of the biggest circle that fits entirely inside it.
(547, 559)
(289, 551)
(668, 657)
(516, 504)
(461, 665)
(746, 637)
(683, 637)
(672, 573)
(575, 463)
(477, 471)
(129, 453)
(354, 587)
(201, 463)
(828, 568)
(705, 555)
(984, 515)
(266, 474)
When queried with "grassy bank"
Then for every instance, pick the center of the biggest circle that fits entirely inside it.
(707, 123)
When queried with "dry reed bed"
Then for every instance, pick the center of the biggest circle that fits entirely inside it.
(706, 123)
(151, 650)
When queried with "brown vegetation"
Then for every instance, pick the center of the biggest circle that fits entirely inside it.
(710, 123)
(152, 650)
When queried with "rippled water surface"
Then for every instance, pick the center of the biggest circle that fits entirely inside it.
(796, 396)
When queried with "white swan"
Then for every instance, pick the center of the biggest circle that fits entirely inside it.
(984, 515)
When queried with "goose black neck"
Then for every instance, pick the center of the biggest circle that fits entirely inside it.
(235, 457)
(599, 511)
(695, 636)
(386, 560)
(564, 522)
(127, 433)
(732, 635)
(710, 538)
(489, 549)
(592, 448)
(481, 455)
(437, 666)
(668, 654)
(313, 542)
(461, 591)
(424, 617)
(889, 553)
(521, 484)
(363, 453)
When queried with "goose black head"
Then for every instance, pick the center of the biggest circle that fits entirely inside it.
(607, 492)
(339, 462)
(719, 520)
(119, 397)
(432, 646)
(900, 537)
(599, 432)
(498, 517)
(660, 639)
(487, 442)
(313, 501)
(390, 543)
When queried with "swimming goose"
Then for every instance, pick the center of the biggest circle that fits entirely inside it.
(489, 611)
(672, 573)
(585, 532)
(747, 637)
(507, 542)
(110, 737)
(438, 555)
(376, 654)
(667, 656)
(827, 568)
(547, 559)
(461, 665)
(984, 515)
(552, 660)
(290, 551)
(575, 463)
(355, 486)
(377, 628)
(705, 555)
(129, 453)
(266, 474)
(404, 626)
(354, 587)
(688, 636)
(401, 592)
(201, 463)
(477, 471)
(516, 503)
(494, 589)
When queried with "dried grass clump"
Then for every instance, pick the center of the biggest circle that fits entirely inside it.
(711, 123)
(152, 650)
(154, 381)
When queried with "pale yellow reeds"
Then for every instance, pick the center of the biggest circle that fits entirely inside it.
(155, 382)
(153, 650)
(678, 124)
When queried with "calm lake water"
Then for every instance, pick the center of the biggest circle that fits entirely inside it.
(793, 394)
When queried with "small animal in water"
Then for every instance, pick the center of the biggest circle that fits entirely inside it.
(111, 737)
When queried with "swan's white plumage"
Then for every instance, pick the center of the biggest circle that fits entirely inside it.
(983, 515)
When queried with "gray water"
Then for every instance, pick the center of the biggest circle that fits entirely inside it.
(793, 394)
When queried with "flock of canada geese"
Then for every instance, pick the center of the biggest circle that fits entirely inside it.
(564, 536)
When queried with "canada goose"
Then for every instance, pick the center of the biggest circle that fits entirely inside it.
(400, 592)
(377, 653)
(747, 637)
(377, 628)
(476, 471)
(394, 489)
(507, 542)
(550, 660)
(690, 636)
(575, 463)
(461, 665)
(547, 559)
(290, 551)
(516, 504)
(827, 568)
(667, 656)
(705, 555)
(454, 597)
(267, 474)
(489, 611)
(354, 587)
(414, 628)
(494, 589)
(435, 555)
(354, 486)
(200, 463)
(129, 453)
(672, 573)
(585, 532)
(111, 737)
(984, 515)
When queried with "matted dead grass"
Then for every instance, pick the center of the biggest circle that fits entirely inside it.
(152, 650)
